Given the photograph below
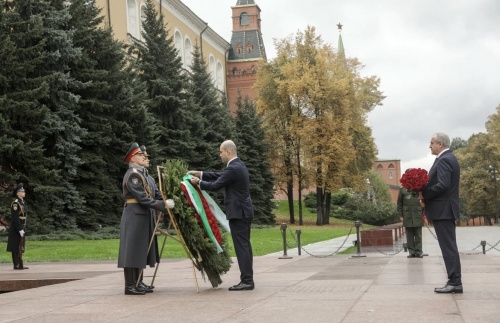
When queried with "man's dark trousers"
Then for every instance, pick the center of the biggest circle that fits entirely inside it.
(240, 232)
(446, 234)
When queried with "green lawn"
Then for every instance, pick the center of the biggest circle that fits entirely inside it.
(264, 241)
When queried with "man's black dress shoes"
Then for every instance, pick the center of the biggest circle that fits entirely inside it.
(411, 256)
(242, 286)
(448, 289)
(21, 268)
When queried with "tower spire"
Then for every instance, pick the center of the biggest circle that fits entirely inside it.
(340, 44)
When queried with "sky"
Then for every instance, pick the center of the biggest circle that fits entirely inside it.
(438, 60)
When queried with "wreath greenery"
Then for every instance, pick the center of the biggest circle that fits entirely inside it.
(203, 251)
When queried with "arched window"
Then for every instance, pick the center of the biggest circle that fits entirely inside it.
(132, 27)
(249, 47)
(211, 65)
(391, 166)
(234, 71)
(188, 53)
(239, 48)
(380, 166)
(178, 44)
(244, 19)
(220, 76)
(390, 175)
(253, 69)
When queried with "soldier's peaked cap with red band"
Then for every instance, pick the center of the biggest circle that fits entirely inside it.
(134, 149)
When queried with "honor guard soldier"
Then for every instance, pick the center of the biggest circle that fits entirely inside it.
(137, 224)
(19, 213)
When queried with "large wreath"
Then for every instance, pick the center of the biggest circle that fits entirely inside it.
(210, 259)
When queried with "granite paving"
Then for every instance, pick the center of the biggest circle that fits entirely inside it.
(319, 285)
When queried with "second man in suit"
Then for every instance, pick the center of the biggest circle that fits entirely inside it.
(440, 198)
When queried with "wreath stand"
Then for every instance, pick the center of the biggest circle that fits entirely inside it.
(165, 233)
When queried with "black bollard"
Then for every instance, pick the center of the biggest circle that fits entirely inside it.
(483, 243)
(297, 234)
(405, 246)
(283, 233)
(357, 224)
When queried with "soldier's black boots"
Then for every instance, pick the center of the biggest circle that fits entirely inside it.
(142, 286)
(130, 281)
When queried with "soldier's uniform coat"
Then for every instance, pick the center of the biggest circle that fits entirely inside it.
(137, 223)
(18, 212)
(410, 209)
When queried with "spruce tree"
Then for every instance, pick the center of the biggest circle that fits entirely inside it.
(45, 126)
(21, 139)
(160, 68)
(253, 151)
(110, 112)
(215, 117)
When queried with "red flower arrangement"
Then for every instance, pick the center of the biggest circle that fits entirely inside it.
(414, 179)
(210, 216)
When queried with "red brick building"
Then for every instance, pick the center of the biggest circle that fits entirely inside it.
(390, 170)
(247, 50)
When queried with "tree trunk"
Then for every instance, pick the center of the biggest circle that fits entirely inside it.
(300, 205)
(326, 215)
(290, 202)
(319, 206)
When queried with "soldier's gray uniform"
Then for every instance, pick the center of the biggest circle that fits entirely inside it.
(137, 223)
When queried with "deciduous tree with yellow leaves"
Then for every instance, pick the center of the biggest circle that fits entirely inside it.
(314, 104)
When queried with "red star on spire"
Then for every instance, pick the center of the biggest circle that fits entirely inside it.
(339, 26)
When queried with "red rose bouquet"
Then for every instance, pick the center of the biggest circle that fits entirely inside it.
(414, 179)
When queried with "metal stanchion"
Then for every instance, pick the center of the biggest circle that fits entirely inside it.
(297, 233)
(483, 243)
(357, 224)
(283, 233)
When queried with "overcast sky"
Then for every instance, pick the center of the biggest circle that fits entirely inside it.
(438, 60)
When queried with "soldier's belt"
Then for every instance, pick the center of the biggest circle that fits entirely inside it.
(131, 201)
(22, 218)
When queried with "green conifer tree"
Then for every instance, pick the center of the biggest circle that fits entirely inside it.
(40, 32)
(113, 116)
(160, 68)
(253, 151)
(216, 120)
(22, 156)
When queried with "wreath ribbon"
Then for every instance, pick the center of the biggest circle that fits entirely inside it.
(196, 199)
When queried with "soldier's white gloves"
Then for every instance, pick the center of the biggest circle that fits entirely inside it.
(170, 203)
(21, 233)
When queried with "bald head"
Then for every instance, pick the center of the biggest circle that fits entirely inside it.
(229, 145)
(227, 151)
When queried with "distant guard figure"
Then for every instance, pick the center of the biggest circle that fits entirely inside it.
(19, 213)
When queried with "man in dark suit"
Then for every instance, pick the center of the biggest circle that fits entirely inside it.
(238, 207)
(440, 198)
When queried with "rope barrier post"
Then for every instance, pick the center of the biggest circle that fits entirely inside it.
(297, 233)
(283, 233)
(357, 224)
(483, 243)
